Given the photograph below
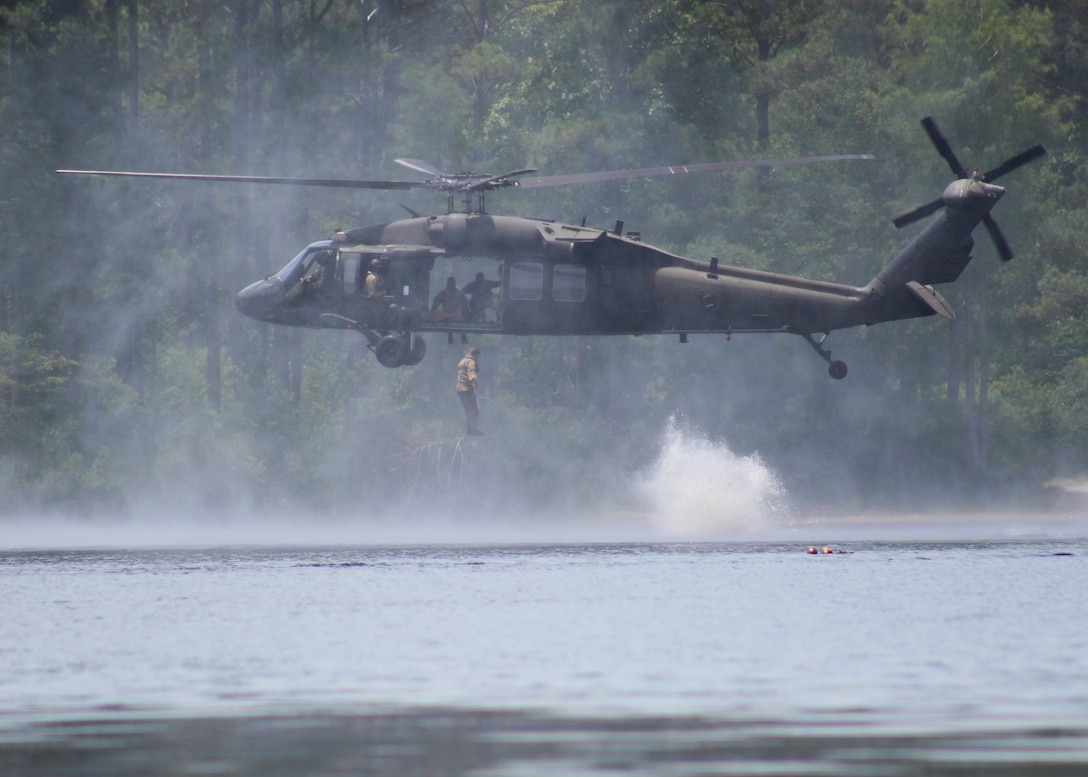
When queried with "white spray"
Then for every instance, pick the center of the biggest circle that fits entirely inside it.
(700, 487)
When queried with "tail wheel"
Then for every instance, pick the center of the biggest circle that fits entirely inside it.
(835, 369)
(391, 351)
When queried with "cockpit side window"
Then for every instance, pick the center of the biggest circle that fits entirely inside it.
(303, 264)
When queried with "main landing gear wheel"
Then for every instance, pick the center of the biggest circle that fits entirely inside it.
(391, 351)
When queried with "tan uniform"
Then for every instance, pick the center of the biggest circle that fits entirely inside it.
(467, 383)
(466, 375)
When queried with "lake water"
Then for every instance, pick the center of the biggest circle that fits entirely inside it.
(895, 655)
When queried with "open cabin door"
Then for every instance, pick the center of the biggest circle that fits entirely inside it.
(385, 287)
(468, 294)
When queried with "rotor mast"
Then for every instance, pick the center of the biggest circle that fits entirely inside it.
(465, 183)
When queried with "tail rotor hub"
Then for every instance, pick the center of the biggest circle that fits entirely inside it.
(971, 191)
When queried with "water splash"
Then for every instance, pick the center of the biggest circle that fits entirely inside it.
(698, 486)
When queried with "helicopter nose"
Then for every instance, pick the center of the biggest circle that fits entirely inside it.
(259, 300)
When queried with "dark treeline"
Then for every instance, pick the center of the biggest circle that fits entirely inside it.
(127, 379)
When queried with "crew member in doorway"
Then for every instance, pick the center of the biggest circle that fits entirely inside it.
(467, 384)
(375, 283)
(481, 293)
(453, 304)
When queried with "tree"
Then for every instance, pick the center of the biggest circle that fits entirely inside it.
(752, 34)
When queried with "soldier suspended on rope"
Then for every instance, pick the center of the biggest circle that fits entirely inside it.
(467, 385)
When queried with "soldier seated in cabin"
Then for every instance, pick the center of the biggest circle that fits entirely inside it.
(481, 293)
(375, 279)
(450, 303)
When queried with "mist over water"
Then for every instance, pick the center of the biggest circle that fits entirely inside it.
(699, 486)
(696, 489)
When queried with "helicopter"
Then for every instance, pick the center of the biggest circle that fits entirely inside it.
(553, 278)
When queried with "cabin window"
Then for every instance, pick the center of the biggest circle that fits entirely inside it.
(569, 283)
(350, 272)
(527, 281)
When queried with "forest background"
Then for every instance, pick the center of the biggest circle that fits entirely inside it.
(128, 382)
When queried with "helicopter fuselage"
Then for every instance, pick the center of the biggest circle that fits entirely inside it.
(551, 278)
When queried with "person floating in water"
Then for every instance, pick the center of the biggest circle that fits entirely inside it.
(467, 385)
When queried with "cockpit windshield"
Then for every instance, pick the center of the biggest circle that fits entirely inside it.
(298, 266)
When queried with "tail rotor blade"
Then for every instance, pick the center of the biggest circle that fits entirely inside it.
(1012, 163)
(940, 142)
(1000, 243)
(914, 214)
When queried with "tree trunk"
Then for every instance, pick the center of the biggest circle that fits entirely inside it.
(970, 379)
(763, 99)
(113, 53)
(206, 286)
(976, 368)
(955, 356)
(133, 66)
(132, 363)
(296, 351)
(212, 366)
(981, 443)
(242, 250)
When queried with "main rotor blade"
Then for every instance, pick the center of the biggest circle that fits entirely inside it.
(419, 166)
(486, 182)
(940, 142)
(336, 183)
(645, 172)
(1000, 243)
(914, 214)
(1012, 163)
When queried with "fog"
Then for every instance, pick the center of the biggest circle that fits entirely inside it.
(695, 490)
(178, 421)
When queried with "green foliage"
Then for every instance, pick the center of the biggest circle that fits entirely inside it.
(126, 378)
(31, 376)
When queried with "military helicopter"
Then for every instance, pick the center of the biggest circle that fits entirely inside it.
(551, 278)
